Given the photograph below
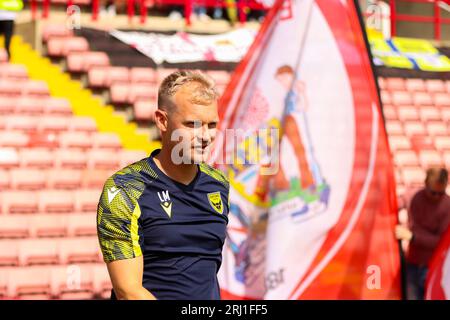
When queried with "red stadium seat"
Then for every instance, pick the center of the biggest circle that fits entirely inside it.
(141, 91)
(102, 281)
(145, 75)
(14, 226)
(401, 98)
(420, 143)
(130, 156)
(394, 128)
(97, 77)
(83, 61)
(30, 105)
(24, 284)
(55, 30)
(430, 158)
(54, 123)
(106, 140)
(72, 282)
(11, 88)
(422, 99)
(413, 176)
(9, 252)
(64, 178)
(9, 158)
(395, 84)
(82, 224)
(382, 83)
(414, 128)
(442, 143)
(399, 143)
(7, 104)
(144, 110)
(37, 158)
(38, 251)
(437, 128)
(48, 225)
(19, 202)
(56, 201)
(102, 159)
(75, 140)
(58, 106)
(14, 139)
(5, 179)
(70, 159)
(74, 44)
(28, 179)
(435, 85)
(445, 113)
(404, 158)
(117, 74)
(442, 99)
(407, 113)
(35, 88)
(119, 93)
(14, 71)
(42, 139)
(93, 178)
(85, 124)
(429, 113)
(79, 250)
(3, 274)
(389, 112)
(414, 85)
(21, 123)
(87, 200)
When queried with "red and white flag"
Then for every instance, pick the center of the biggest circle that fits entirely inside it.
(316, 222)
(438, 277)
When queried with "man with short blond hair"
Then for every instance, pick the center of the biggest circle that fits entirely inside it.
(162, 220)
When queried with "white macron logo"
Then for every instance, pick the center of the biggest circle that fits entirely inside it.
(112, 192)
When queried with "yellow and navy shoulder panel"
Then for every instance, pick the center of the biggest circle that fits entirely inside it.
(118, 212)
(215, 174)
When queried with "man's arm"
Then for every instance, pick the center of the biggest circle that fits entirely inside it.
(126, 278)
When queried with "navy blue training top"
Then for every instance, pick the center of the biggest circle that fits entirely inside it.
(178, 229)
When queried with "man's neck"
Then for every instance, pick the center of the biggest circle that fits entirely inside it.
(183, 173)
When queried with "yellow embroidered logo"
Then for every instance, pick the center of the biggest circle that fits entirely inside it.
(215, 200)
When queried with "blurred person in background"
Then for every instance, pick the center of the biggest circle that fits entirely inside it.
(8, 13)
(429, 216)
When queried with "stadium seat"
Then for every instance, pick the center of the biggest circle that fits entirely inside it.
(29, 105)
(419, 143)
(430, 158)
(414, 85)
(80, 140)
(429, 113)
(3, 274)
(14, 226)
(72, 282)
(442, 143)
(102, 159)
(54, 123)
(119, 93)
(143, 75)
(35, 88)
(19, 202)
(404, 158)
(437, 128)
(395, 84)
(24, 284)
(82, 224)
(141, 91)
(9, 252)
(399, 143)
(414, 128)
(48, 225)
(422, 99)
(14, 71)
(144, 110)
(394, 128)
(20, 123)
(38, 251)
(83, 61)
(37, 158)
(130, 156)
(389, 112)
(93, 178)
(5, 179)
(9, 158)
(401, 98)
(79, 250)
(55, 30)
(386, 97)
(64, 178)
(413, 176)
(84, 124)
(442, 99)
(70, 159)
(87, 200)
(74, 44)
(382, 83)
(102, 281)
(407, 113)
(56, 201)
(435, 85)
(445, 113)
(41, 139)
(11, 88)
(14, 139)
(7, 104)
(58, 106)
(106, 140)
(28, 179)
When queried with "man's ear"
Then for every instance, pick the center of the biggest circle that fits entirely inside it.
(161, 119)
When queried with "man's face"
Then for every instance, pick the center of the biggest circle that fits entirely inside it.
(435, 191)
(192, 127)
(285, 79)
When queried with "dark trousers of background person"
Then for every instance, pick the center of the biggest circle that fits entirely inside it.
(7, 29)
(415, 281)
